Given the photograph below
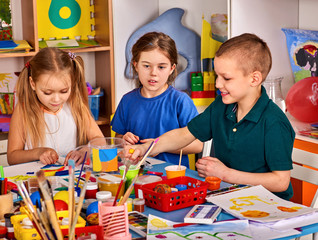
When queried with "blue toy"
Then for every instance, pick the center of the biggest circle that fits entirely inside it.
(92, 208)
(36, 199)
(188, 44)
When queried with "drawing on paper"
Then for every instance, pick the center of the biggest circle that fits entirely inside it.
(159, 228)
(259, 204)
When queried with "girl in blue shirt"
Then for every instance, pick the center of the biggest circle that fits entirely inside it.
(155, 107)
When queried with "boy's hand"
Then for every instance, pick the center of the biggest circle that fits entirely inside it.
(48, 156)
(209, 166)
(131, 138)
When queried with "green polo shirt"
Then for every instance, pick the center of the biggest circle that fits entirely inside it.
(261, 142)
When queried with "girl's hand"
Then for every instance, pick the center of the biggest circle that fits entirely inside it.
(131, 138)
(77, 156)
(149, 140)
(209, 166)
(48, 156)
(136, 152)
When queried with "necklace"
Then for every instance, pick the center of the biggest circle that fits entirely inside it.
(54, 122)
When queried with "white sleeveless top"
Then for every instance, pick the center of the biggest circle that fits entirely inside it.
(61, 133)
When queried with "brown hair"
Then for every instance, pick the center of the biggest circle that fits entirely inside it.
(52, 60)
(251, 52)
(151, 41)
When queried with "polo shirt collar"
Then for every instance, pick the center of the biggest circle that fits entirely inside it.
(255, 113)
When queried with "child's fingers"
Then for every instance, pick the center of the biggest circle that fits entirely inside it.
(135, 154)
(54, 157)
(147, 140)
(131, 138)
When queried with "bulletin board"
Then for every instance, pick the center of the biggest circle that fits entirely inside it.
(65, 18)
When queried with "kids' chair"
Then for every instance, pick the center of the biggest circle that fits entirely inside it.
(303, 162)
(112, 133)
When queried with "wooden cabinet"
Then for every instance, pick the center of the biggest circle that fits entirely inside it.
(102, 55)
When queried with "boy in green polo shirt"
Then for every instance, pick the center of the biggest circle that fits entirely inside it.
(253, 138)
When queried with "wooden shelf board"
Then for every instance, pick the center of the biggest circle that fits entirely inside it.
(17, 54)
(102, 120)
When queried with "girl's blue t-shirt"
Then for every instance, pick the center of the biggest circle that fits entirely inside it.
(152, 117)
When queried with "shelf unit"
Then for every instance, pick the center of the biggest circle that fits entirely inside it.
(103, 54)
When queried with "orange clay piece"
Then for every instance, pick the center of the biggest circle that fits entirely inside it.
(214, 183)
(131, 151)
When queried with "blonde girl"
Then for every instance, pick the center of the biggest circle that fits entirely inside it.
(52, 116)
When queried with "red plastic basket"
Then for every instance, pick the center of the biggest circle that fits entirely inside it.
(195, 194)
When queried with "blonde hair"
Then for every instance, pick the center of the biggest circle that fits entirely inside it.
(52, 60)
(251, 53)
(151, 41)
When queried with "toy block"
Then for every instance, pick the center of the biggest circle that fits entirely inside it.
(196, 82)
(208, 81)
(202, 101)
(203, 94)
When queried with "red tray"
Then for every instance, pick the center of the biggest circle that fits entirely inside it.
(195, 194)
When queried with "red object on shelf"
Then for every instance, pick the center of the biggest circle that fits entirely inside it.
(195, 194)
(203, 94)
(86, 231)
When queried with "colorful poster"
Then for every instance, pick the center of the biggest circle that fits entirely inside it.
(65, 19)
(302, 48)
(258, 204)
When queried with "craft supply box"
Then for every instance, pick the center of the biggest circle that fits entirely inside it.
(195, 194)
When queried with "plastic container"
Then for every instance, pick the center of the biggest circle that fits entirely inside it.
(142, 180)
(130, 175)
(21, 233)
(174, 171)
(3, 232)
(111, 186)
(91, 190)
(129, 203)
(181, 187)
(103, 195)
(104, 153)
(114, 220)
(139, 204)
(94, 104)
(195, 194)
(214, 183)
(87, 231)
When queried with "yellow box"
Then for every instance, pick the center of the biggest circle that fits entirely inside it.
(22, 233)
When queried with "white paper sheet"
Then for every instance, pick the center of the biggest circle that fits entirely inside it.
(160, 228)
(258, 204)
